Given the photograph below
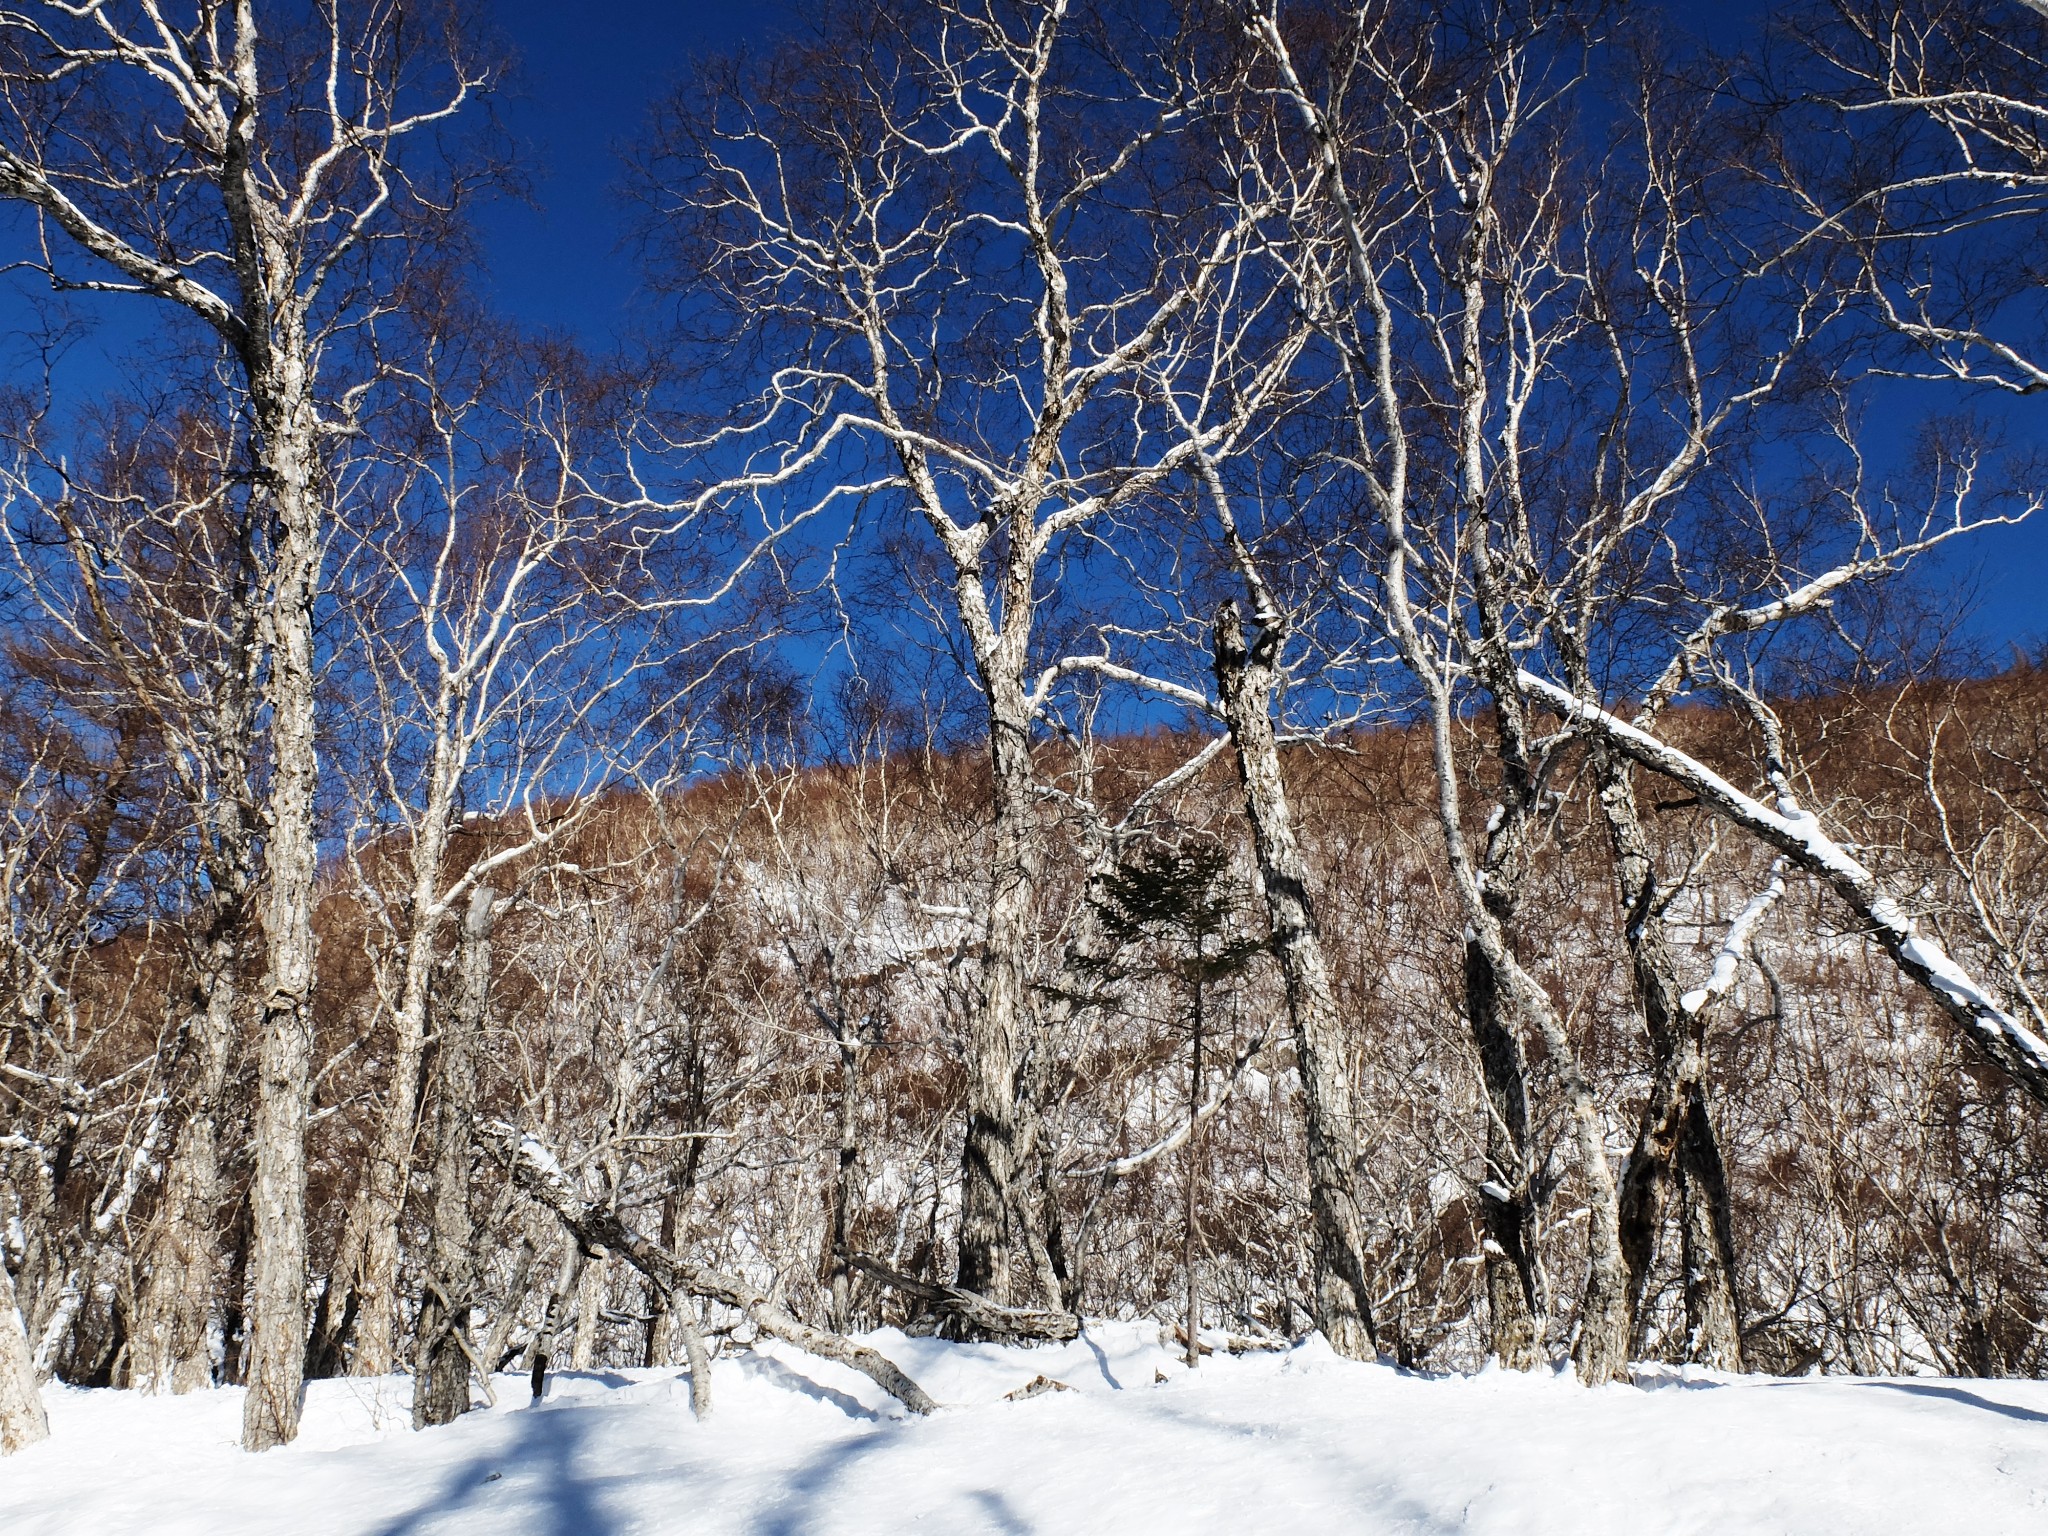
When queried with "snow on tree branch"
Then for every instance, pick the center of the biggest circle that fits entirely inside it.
(1797, 834)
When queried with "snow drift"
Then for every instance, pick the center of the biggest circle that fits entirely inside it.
(1293, 1442)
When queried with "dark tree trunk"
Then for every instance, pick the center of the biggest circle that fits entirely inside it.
(568, 1279)
(1506, 1199)
(1675, 1151)
(1713, 1316)
(842, 1186)
(1191, 1238)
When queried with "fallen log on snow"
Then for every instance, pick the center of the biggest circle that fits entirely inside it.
(987, 1318)
(535, 1170)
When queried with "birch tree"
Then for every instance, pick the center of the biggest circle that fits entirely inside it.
(238, 169)
(139, 560)
(1538, 363)
(506, 676)
(923, 220)
(1913, 139)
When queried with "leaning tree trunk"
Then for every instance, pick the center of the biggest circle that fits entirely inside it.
(277, 1345)
(599, 1228)
(22, 1420)
(546, 1338)
(988, 1160)
(1343, 1295)
(440, 1381)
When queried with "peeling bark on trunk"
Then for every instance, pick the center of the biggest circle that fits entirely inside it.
(375, 1275)
(1343, 1295)
(499, 1339)
(589, 1301)
(440, 1392)
(175, 1310)
(657, 1349)
(1713, 1315)
(700, 1363)
(277, 1345)
(541, 1355)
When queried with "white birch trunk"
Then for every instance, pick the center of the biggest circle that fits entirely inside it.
(22, 1420)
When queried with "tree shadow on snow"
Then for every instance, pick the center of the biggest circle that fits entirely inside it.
(1101, 1361)
(810, 1487)
(995, 1509)
(611, 1381)
(1960, 1395)
(1366, 1487)
(780, 1373)
(549, 1497)
(814, 1488)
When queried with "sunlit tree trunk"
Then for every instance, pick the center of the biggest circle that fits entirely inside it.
(1343, 1297)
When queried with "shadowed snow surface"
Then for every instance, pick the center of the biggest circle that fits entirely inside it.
(1300, 1442)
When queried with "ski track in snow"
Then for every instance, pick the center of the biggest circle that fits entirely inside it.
(1297, 1442)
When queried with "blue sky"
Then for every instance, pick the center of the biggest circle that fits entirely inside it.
(586, 76)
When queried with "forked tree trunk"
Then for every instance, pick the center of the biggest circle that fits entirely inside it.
(1343, 1295)
(1675, 1151)
(441, 1365)
(499, 1340)
(1713, 1314)
(374, 1276)
(372, 1281)
(22, 1420)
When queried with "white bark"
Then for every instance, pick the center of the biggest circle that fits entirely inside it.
(22, 1420)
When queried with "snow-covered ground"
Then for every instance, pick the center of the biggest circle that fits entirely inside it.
(1300, 1442)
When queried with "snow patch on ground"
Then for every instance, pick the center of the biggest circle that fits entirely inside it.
(1293, 1442)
